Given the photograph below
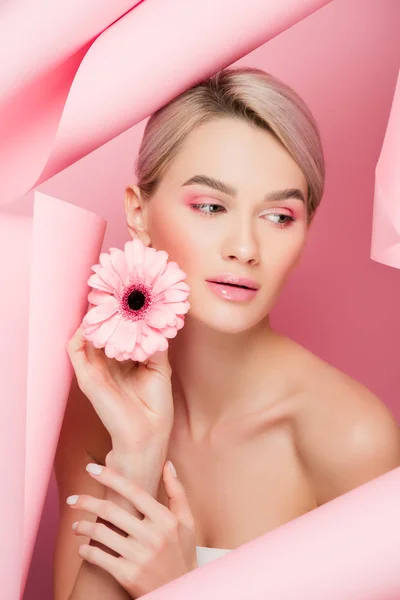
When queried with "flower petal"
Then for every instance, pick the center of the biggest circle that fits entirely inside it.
(160, 316)
(101, 312)
(170, 277)
(122, 335)
(98, 297)
(131, 343)
(134, 254)
(169, 332)
(110, 350)
(97, 282)
(109, 276)
(156, 318)
(155, 264)
(182, 285)
(180, 321)
(139, 354)
(120, 265)
(162, 342)
(172, 295)
(139, 331)
(105, 260)
(104, 331)
(150, 340)
(180, 308)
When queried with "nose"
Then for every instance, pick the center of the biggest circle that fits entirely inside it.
(241, 243)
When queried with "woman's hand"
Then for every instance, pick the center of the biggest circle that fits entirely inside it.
(133, 400)
(158, 548)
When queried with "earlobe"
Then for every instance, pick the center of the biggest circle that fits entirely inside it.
(134, 214)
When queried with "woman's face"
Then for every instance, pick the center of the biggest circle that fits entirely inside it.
(210, 232)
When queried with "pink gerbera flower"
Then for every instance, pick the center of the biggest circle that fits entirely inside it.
(138, 298)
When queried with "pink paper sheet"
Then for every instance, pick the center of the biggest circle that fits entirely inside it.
(347, 549)
(385, 243)
(15, 245)
(52, 34)
(46, 262)
(130, 70)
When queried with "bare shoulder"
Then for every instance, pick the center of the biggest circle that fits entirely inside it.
(345, 434)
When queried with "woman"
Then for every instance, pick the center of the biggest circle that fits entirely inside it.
(260, 431)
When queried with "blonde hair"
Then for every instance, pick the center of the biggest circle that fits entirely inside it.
(245, 93)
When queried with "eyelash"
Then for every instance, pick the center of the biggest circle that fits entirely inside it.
(280, 225)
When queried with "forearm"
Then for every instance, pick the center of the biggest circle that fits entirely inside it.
(144, 466)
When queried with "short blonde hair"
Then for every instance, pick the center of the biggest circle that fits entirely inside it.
(246, 93)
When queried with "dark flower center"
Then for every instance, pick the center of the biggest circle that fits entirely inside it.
(136, 300)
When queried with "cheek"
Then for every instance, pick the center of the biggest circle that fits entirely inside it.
(182, 245)
(284, 258)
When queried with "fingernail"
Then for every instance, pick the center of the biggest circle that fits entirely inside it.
(75, 524)
(72, 499)
(173, 470)
(94, 468)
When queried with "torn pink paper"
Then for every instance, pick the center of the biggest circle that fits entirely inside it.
(15, 250)
(134, 67)
(346, 549)
(52, 33)
(46, 263)
(385, 244)
(36, 78)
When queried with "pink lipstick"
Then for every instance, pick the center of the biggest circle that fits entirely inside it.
(231, 292)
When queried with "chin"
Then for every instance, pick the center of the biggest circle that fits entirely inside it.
(232, 319)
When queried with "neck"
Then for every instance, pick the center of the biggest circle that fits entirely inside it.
(215, 375)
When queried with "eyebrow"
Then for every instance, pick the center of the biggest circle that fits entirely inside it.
(225, 188)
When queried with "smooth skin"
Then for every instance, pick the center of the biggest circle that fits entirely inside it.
(263, 430)
(158, 548)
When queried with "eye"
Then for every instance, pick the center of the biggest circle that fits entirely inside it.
(199, 206)
(287, 222)
(289, 219)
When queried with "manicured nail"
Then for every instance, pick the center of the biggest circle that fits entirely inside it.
(173, 470)
(94, 468)
(72, 499)
(75, 524)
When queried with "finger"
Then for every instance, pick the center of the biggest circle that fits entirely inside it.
(80, 347)
(177, 498)
(83, 356)
(76, 348)
(119, 568)
(101, 533)
(142, 500)
(96, 356)
(115, 515)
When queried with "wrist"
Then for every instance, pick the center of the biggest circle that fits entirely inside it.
(142, 464)
(149, 447)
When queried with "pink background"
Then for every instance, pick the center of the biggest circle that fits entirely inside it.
(343, 60)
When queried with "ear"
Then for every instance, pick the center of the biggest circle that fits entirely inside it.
(135, 214)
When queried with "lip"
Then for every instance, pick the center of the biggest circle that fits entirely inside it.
(235, 280)
(231, 292)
